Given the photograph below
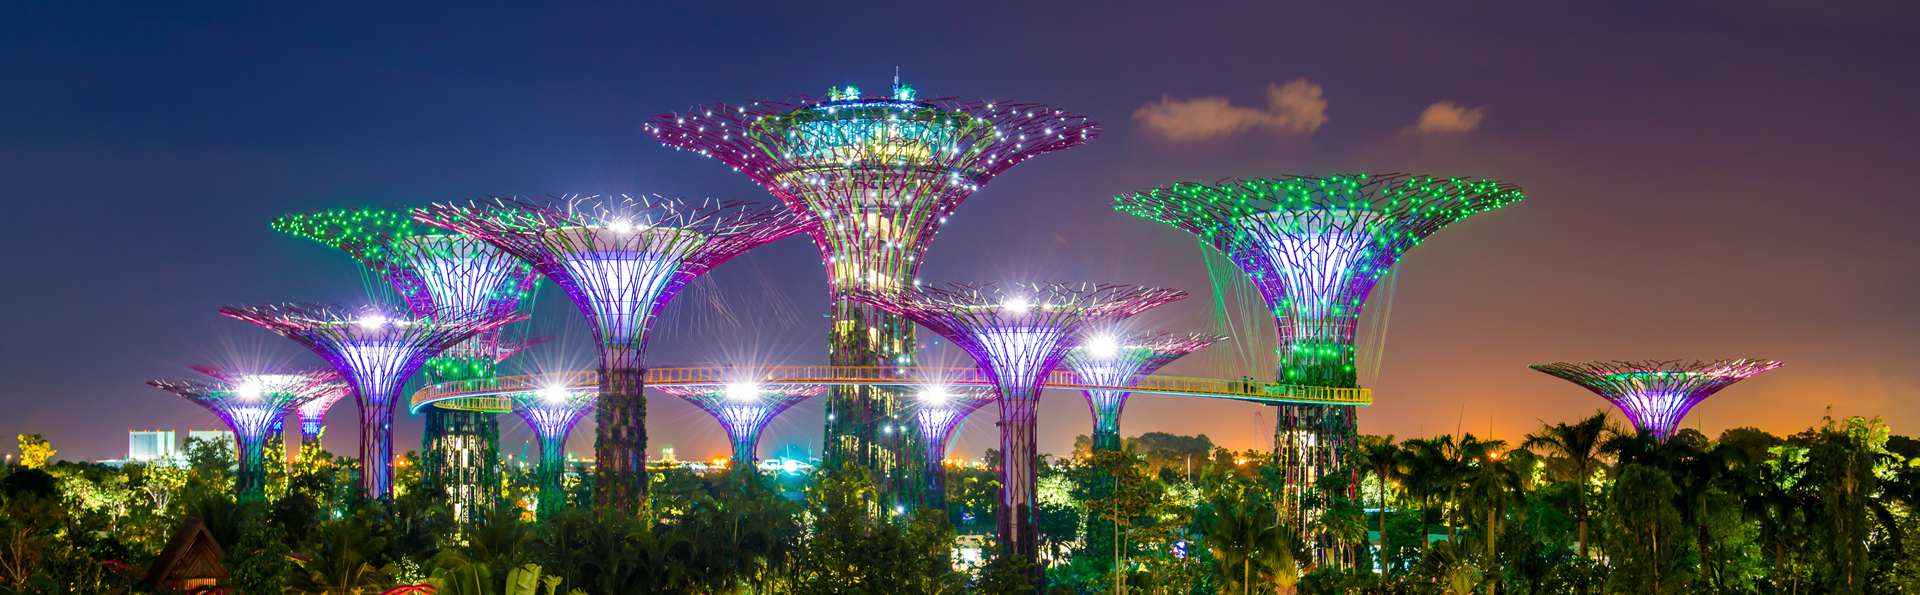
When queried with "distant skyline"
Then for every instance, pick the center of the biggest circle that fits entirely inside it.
(1704, 180)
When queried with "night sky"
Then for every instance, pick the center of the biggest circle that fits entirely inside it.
(1704, 180)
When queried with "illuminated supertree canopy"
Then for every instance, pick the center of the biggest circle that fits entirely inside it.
(252, 405)
(375, 352)
(621, 260)
(1656, 394)
(552, 412)
(313, 414)
(938, 410)
(445, 276)
(1315, 247)
(1017, 334)
(880, 175)
(1115, 359)
(744, 409)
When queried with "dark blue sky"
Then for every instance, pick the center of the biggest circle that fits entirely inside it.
(1705, 180)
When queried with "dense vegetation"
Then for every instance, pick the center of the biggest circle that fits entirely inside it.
(1573, 507)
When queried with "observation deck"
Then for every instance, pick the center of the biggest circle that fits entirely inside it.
(490, 395)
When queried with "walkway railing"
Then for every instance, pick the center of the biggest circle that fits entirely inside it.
(489, 395)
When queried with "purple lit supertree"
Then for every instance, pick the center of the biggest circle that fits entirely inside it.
(620, 260)
(744, 409)
(880, 174)
(1113, 359)
(252, 405)
(552, 412)
(375, 353)
(1315, 247)
(313, 414)
(1655, 394)
(444, 276)
(938, 410)
(1017, 334)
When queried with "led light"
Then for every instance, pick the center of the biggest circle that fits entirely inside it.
(371, 322)
(935, 395)
(1103, 347)
(743, 391)
(621, 226)
(249, 391)
(1016, 305)
(553, 394)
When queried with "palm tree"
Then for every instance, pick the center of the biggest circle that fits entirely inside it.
(1492, 483)
(1576, 447)
(1382, 458)
(1423, 470)
(1244, 533)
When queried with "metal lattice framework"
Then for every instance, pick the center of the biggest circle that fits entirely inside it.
(938, 410)
(552, 411)
(621, 260)
(253, 406)
(744, 409)
(1315, 247)
(1017, 334)
(1112, 359)
(1656, 394)
(375, 353)
(313, 414)
(880, 175)
(443, 276)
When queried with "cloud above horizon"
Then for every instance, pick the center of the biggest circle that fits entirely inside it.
(1297, 107)
(1447, 117)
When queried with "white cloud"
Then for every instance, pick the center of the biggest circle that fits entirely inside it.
(1297, 107)
(1447, 117)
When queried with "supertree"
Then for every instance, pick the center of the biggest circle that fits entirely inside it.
(621, 261)
(880, 174)
(375, 352)
(1655, 394)
(744, 409)
(552, 412)
(1017, 334)
(446, 277)
(252, 405)
(313, 414)
(1315, 247)
(1114, 359)
(938, 411)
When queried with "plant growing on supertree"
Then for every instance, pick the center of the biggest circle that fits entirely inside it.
(621, 260)
(252, 405)
(1017, 334)
(1315, 247)
(744, 409)
(1656, 394)
(938, 410)
(880, 175)
(1111, 358)
(375, 352)
(443, 276)
(552, 412)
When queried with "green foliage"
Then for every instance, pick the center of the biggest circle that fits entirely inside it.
(1647, 540)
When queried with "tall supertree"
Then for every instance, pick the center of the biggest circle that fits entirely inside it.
(1114, 359)
(1017, 334)
(446, 277)
(621, 260)
(1655, 394)
(880, 174)
(252, 405)
(744, 409)
(938, 410)
(552, 412)
(1315, 247)
(375, 352)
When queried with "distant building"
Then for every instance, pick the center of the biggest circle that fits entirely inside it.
(152, 445)
(221, 437)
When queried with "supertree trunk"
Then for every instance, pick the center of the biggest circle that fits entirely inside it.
(1018, 454)
(620, 434)
(309, 432)
(1106, 431)
(376, 448)
(1314, 441)
(857, 416)
(553, 471)
(250, 479)
(935, 495)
